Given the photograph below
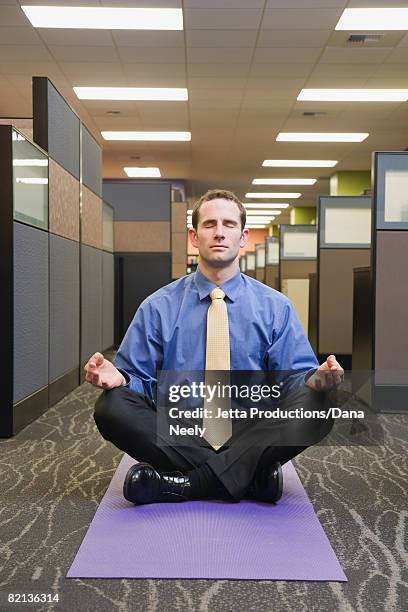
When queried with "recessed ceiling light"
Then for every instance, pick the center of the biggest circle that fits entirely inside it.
(373, 19)
(172, 136)
(131, 93)
(142, 172)
(299, 163)
(109, 18)
(251, 212)
(354, 95)
(265, 205)
(321, 136)
(289, 196)
(283, 181)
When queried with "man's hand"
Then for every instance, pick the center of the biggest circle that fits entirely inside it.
(329, 375)
(102, 373)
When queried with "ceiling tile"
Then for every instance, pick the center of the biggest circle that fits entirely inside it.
(223, 54)
(81, 54)
(13, 16)
(293, 38)
(148, 38)
(224, 4)
(311, 4)
(139, 3)
(19, 36)
(344, 70)
(284, 70)
(163, 55)
(221, 38)
(24, 53)
(93, 73)
(392, 70)
(398, 55)
(221, 69)
(222, 19)
(286, 55)
(83, 38)
(156, 70)
(216, 83)
(300, 19)
(49, 69)
(341, 55)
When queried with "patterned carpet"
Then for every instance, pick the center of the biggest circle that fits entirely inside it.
(54, 473)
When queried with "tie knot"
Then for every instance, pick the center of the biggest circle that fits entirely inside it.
(217, 294)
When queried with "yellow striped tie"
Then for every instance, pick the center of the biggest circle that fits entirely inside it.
(217, 366)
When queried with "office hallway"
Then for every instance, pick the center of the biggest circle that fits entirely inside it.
(55, 472)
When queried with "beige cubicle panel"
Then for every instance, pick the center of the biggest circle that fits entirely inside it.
(343, 244)
(297, 290)
(250, 263)
(297, 260)
(272, 262)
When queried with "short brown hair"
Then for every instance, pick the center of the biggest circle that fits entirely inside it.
(215, 194)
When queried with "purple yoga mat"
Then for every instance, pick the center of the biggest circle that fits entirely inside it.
(207, 539)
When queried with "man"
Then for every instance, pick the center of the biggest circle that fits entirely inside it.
(173, 330)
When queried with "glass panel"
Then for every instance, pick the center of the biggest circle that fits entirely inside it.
(250, 261)
(30, 178)
(299, 245)
(107, 238)
(272, 252)
(396, 196)
(347, 226)
(260, 255)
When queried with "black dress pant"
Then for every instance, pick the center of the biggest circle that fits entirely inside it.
(129, 421)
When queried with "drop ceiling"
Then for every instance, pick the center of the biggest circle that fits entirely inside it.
(243, 62)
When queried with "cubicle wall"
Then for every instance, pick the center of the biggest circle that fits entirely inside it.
(53, 252)
(344, 241)
(142, 229)
(250, 263)
(272, 262)
(260, 262)
(297, 259)
(386, 350)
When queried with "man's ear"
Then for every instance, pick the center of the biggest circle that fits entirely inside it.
(244, 237)
(192, 234)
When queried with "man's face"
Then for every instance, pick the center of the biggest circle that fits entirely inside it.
(218, 236)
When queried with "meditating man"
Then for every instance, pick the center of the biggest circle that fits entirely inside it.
(216, 320)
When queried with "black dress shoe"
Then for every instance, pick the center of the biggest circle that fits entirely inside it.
(145, 485)
(267, 484)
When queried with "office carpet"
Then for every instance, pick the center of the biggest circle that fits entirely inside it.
(55, 472)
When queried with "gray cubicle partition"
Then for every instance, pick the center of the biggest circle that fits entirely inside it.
(385, 355)
(312, 326)
(260, 262)
(297, 259)
(272, 261)
(344, 242)
(250, 263)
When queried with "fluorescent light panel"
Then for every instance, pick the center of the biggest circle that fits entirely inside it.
(155, 136)
(285, 196)
(251, 213)
(30, 162)
(100, 18)
(267, 205)
(255, 225)
(299, 163)
(354, 95)
(32, 181)
(131, 93)
(321, 136)
(284, 181)
(136, 172)
(373, 19)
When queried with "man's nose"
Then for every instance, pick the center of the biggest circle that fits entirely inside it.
(219, 230)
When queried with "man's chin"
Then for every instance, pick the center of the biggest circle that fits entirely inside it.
(219, 260)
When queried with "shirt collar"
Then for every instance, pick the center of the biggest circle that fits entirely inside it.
(204, 286)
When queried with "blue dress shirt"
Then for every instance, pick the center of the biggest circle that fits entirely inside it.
(168, 331)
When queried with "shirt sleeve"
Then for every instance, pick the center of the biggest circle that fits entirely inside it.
(290, 352)
(140, 354)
